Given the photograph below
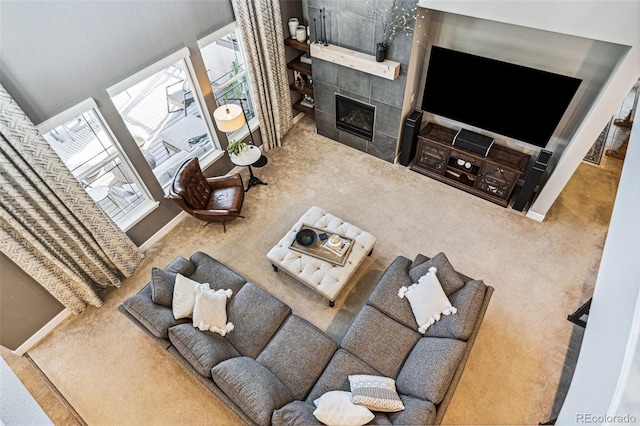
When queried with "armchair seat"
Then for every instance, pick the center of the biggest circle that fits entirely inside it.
(215, 199)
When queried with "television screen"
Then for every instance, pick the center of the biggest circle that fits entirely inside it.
(511, 100)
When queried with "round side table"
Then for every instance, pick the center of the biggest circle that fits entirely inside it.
(247, 158)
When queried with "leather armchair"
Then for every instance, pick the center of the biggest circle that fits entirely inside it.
(215, 199)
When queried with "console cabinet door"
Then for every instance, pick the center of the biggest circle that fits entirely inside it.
(432, 157)
(496, 181)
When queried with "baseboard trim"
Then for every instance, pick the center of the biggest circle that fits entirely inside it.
(535, 216)
(163, 231)
(298, 117)
(42, 333)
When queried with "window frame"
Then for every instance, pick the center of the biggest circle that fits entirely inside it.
(140, 211)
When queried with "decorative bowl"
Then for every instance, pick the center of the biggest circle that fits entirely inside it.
(306, 237)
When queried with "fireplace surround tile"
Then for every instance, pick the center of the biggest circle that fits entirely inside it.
(355, 96)
(383, 147)
(324, 97)
(387, 91)
(387, 118)
(326, 125)
(356, 32)
(352, 140)
(325, 72)
(355, 81)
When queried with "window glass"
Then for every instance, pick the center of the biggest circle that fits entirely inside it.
(223, 56)
(88, 148)
(163, 114)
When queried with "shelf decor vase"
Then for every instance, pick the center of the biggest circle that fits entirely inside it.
(381, 52)
(301, 34)
(293, 26)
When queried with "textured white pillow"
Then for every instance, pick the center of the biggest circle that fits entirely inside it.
(377, 393)
(336, 408)
(210, 310)
(428, 300)
(184, 296)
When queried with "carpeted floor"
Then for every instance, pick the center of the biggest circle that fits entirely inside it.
(112, 373)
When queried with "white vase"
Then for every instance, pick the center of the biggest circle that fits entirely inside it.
(293, 26)
(301, 34)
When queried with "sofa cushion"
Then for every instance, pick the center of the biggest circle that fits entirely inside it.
(336, 375)
(336, 408)
(379, 341)
(219, 276)
(429, 369)
(256, 316)
(156, 318)
(203, 350)
(417, 412)
(252, 387)
(450, 279)
(163, 280)
(468, 301)
(297, 354)
(384, 296)
(296, 413)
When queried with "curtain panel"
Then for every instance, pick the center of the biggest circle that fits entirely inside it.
(260, 26)
(49, 226)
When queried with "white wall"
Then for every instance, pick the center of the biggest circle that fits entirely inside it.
(605, 379)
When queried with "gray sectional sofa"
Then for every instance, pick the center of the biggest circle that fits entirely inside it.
(272, 366)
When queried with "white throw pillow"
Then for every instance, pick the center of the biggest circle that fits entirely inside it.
(210, 310)
(428, 300)
(184, 296)
(336, 408)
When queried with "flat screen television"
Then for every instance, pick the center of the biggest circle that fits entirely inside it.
(522, 103)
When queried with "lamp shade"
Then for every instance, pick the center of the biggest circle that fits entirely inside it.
(229, 117)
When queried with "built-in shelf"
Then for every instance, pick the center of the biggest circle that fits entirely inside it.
(298, 45)
(356, 60)
(303, 108)
(301, 88)
(299, 66)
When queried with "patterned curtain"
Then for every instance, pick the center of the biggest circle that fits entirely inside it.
(260, 27)
(49, 226)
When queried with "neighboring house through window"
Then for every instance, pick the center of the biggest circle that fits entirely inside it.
(89, 149)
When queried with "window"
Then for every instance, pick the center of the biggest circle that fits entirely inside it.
(161, 107)
(223, 56)
(87, 147)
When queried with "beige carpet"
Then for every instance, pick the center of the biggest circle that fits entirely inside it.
(112, 373)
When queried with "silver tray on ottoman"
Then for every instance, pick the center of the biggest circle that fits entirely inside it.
(318, 250)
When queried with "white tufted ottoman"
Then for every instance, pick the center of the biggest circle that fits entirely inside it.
(324, 277)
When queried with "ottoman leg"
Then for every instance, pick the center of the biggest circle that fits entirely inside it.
(370, 252)
(332, 303)
(275, 268)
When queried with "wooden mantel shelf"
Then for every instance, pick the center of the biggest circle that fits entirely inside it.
(356, 60)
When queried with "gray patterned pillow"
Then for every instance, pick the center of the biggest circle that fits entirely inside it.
(377, 393)
(162, 283)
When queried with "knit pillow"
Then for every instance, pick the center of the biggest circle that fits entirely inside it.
(377, 393)
(428, 300)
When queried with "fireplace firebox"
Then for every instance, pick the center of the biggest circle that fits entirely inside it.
(355, 117)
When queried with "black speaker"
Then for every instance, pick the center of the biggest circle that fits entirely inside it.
(532, 180)
(410, 137)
